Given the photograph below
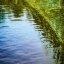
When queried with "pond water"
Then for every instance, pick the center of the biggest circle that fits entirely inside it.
(25, 38)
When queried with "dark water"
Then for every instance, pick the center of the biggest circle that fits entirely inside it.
(25, 38)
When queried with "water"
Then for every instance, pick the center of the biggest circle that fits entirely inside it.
(25, 38)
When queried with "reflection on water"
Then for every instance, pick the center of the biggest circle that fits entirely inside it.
(25, 38)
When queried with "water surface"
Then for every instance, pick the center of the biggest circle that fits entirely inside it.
(25, 38)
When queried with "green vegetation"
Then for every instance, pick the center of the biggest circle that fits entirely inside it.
(52, 11)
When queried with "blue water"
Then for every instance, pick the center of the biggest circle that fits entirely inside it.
(22, 41)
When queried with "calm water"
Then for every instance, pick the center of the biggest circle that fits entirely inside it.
(25, 38)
